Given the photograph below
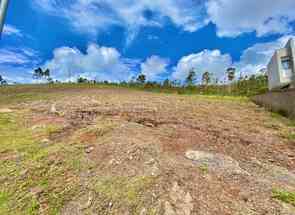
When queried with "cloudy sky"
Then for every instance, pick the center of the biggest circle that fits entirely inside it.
(116, 40)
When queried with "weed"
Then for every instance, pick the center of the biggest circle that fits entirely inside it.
(28, 164)
(34, 207)
(204, 169)
(4, 197)
(283, 119)
(123, 190)
(284, 196)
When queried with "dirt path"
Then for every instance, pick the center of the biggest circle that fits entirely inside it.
(147, 153)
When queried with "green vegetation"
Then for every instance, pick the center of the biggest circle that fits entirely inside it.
(35, 176)
(204, 169)
(123, 190)
(247, 86)
(284, 196)
(2, 81)
(242, 87)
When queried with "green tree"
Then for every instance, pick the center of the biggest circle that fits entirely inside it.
(46, 73)
(141, 78)
(2, 81)
(81, 80)
(167, 83)
(38, 73)
(231, 73)
(206, 78)
(191, 78)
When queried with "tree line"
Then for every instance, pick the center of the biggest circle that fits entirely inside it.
(207, 84)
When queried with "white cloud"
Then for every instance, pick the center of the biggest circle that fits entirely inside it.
(213, 61)
(17, 64)
(93, 16)
(154, 67)
(18, 56)
(257, 56)
(234, 17)
(16, 74)
(100, 63)
(251, 62)
(10, 30)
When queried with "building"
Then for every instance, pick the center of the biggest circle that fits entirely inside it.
(281, 68)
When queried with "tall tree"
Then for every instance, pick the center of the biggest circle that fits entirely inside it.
(141, 78)
(191, 78)
(46, 73)
(206, 78)
(231, 73)
(167, 83)
(38, 73)
(2, 81)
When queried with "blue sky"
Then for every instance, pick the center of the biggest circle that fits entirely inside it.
(116, 40)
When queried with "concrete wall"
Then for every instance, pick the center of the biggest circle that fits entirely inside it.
(285, 75)
(278, 101)
(278, 77)
(272, 70)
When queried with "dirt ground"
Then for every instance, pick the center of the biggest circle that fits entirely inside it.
(120, 151)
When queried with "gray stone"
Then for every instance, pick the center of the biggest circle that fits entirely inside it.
(215, 162)
(182, 201)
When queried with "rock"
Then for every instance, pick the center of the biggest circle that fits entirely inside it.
(273, 173)
(89, 149)
(89, 202)
(45, 142)
(53, 109)
(148, 124)
(169, 209)
(143, 212)
(35, 127)
(23, 173)
(215, 162)
(182, 200)
(37, 191)
(5, 110)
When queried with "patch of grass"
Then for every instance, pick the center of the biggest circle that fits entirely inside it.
(28, 164)
(284, 196)
(124, 191)
(204, 169)
(224, 98)
(289, 135)
(281, 118)
(33, 209)
(4, 198)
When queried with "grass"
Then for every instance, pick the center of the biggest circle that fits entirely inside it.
(124, 191)
(284, 196)
(283, 119)
(288, 132)
(204, 169)
(27, 164)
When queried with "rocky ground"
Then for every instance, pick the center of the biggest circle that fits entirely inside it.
(119, 151)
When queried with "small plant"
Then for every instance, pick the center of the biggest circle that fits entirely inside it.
(204, 168)
(284, 196)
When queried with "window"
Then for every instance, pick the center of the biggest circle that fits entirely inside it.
(286, 63)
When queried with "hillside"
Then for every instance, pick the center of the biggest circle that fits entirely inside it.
(81, 149)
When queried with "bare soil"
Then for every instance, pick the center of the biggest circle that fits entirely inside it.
(137, 144)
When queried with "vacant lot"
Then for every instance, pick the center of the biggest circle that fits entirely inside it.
(90, 150)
